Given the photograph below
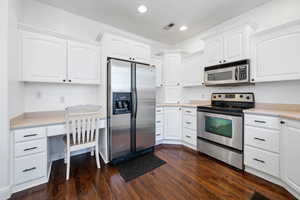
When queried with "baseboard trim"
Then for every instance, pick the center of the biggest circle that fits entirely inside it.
(5, 192)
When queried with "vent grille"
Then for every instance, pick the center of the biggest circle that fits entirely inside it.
(169, 26)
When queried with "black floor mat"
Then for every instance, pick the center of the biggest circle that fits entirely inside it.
(136, 167)
(258, 196)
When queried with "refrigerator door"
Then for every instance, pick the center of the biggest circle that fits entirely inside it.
(144, 98)
(119, 107)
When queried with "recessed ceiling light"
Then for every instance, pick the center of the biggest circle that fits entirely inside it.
(183, 28)
(142, 9)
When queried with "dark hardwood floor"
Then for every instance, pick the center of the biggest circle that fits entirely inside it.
(187, 175)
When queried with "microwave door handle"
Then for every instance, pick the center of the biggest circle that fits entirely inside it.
(236, 73)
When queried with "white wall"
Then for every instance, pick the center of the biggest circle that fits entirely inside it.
(271, 14)
(4, 135)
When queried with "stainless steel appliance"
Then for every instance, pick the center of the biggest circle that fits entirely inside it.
(130, 108)
(220, 130)
(235, 73)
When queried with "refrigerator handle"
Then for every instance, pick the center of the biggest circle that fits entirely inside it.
(135, 103)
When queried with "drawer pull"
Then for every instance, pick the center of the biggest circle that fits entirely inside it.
(258, 160)
(260, 139)
(158, 111)
(188, 136)
(259, 121)
(30, 135)
(158, 122)
(29, 169)
(188, 111)
(158, 134)
(29, 149)
(188, 122)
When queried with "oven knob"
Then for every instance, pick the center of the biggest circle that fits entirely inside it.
(215, 97)
(219, 96)
(241, 96)
(248, 98)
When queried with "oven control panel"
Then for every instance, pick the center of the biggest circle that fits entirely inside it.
(239, 97)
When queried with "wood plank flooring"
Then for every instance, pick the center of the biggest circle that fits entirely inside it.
(187, 175)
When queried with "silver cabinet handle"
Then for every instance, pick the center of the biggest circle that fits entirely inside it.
(30, 135)
(259, 121)
(258, 160)
(260, 139)
(158, 134)
(158, 122)
(29, 169)
(158, 111)
(188, 136)
(188, 111)
(188, 122)
(32, 148)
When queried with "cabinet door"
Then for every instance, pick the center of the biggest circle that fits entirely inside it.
(172, 69)
(172, 123)
(172, 94)
(234, 45)
(214, 51)
(193, 68)
(83, 63)
(276, 55)
(158, 69)
(118, 47)
(290, 162)
(140, 52)
(44, 58)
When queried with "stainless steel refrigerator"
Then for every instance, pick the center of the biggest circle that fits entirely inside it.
(131, 108)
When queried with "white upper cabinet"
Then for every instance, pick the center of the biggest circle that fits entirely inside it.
(172, 69)
(122, 48)
(172, 123)
(228, 46)
(290, 154)
(83, 63)
(43, 58)
(275, 54)
(158, 71)
(53, 60)
(193, 68)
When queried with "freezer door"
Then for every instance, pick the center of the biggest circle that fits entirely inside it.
(144, 98)
(119, 120)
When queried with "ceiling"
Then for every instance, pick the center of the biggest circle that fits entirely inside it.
(197, 15)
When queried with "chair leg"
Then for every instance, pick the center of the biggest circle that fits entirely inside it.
(65, 158)
(97, 157)
(92, 151)
(68, 165)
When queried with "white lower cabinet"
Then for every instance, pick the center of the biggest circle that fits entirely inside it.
(272, 150)
(172, 123)
(159, 125)
(290, 154)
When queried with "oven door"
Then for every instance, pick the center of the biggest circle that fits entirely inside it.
(220, 128)
(227, 75)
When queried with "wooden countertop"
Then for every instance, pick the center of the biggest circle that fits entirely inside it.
(37, 119)
(290, 111)
(192, 104)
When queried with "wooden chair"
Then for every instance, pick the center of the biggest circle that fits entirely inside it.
(82, 131)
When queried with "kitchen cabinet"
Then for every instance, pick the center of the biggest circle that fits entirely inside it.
(275, 54)
(172, 69)
(83, 63)
(122, 48)
(228, 46)
(43, 58)
(50, 59)
(159, 125)
(193, 70)
(172, 123)
(172, 94)
(290, 154)
(158, 71)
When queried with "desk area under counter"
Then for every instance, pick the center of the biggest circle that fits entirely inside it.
(37, 141)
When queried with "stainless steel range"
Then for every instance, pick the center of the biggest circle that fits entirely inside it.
(220, 127)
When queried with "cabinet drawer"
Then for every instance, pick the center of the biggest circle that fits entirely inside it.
(159, 120)
(29, 134)
(30, 167)
(56, 130)
(262, 160)
(262, 138)
(262, 121)
(30, 147)
(159, 133)
(189, 136)
(159, 110)
(189, 111)
(189, 122)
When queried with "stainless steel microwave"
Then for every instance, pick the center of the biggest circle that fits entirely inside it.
(235, 73)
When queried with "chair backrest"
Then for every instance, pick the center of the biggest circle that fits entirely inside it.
(82, 123)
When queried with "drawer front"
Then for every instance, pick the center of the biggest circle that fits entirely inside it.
(262, 138)
(262, 121)
(262, 160)
(29, 134)
(159, 120)
(56, 130)
(189, 136)
(30, 147)
(159, 133)
(189, 122)
(190, 111)
(30, 168)
(159, 110)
